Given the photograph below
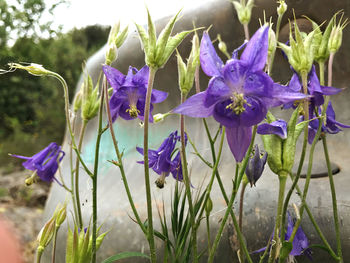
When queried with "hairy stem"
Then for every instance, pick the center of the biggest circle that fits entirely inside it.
(150, 236)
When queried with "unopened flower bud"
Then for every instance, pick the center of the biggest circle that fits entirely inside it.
(255, 166)
(272, 42)
(77, 101)
(159, 117)
(222, 47)
(208, 206)
(282, 8)
(34, 69)
(115, 40)
(244, 10)
(46, 234)
(336, 37)
(61, 214)
(111, 54)
(90, 99)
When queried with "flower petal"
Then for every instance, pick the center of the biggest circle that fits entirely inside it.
(211, 63)
(114, 76)
(238, 140)
(217, 90)
(278, 128)
(141, 77)
(158, 96)
(194, 107)
(234, 74)
(256, 51)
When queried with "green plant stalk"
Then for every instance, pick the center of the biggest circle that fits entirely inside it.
(39, 253)
(120, 160)
(150, 236)
(94, 180)
(53, 258)
(276, 236)
(188, 184)
(321, 66)
(72, 172)
(208, 230)
(330, 175)
(246, 31)
(76, 183)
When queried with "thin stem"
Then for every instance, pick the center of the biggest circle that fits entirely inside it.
(246, 31)
(276, 236)
(72, 172)
(94, 180)
(196, 80)
(321, 66)
(39, 253)
(208, 230)
(240, 219)
(187, 183)
(53, 258)
(152, 73)
(120, 160)
(76, 183)
(330, 69)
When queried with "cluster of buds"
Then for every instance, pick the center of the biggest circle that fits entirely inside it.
(244, 10)
(187, 72)
(87, 99)
(115, 40)
(32, 68)
(158, 51)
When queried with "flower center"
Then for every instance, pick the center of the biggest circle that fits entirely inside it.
(161, 181)
(238, 102)
(133, 111)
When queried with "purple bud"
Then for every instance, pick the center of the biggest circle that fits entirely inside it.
(255, 166)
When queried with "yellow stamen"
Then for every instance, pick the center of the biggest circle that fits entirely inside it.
(133, 111)
(238, 103)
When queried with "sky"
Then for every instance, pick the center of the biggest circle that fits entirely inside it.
(80, 13)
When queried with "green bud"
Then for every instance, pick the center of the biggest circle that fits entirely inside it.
(282, 8)
(322, 52)
(301, 51)
(222, 47)
(111, 54)
(46, 234)
(115, 40)
(77, 101)
(336, 36)
(272, 43)
(159, 117)
(187, 72)
(90, 99)
(61, 214)
(34, 69)
(208, 206)
(158, 51)
(244, 10)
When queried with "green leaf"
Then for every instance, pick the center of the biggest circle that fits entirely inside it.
(125, 255)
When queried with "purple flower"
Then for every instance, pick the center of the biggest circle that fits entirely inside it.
(160, 160)
(255, 166)
(45, 162)
(239, 93)
(278, 128)
(314, 88)
(129, 93)
(300, 242)
(332, 126)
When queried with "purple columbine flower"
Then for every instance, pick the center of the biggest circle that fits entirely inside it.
(160, 160)
(255, 166)
(314, 89)
(332, 126)
(300, 242)
(45, 162)
(239, 93)
(278, 128)
(129, 93)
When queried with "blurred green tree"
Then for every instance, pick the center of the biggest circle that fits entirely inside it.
(32, 108)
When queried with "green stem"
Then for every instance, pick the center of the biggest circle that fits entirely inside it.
(54, 245)
(152, 73)
(321, 66)
(39, 253)
(276, 236)
(76, 183)
(188, 183)
(94, 179)
(240, 219)
(120, 160)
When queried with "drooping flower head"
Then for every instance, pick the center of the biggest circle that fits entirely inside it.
(160, 160)
(255, 166)
(332, 126)
(45, 162)
(129, 93)
(239, 93)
